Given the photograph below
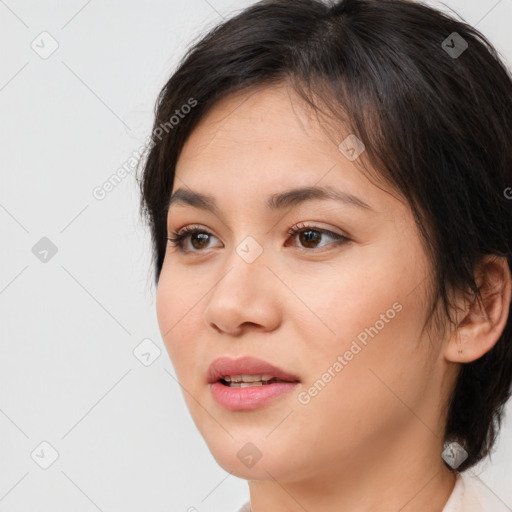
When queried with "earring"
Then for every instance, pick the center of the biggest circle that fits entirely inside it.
(460, 345)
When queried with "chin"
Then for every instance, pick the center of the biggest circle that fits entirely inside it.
(256, 459)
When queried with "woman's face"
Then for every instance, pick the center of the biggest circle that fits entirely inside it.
(339, 311)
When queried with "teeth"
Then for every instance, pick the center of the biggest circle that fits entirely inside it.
(247, 378)
(245, 384)
(246, 381)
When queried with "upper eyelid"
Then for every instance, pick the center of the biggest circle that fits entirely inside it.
(191, 228)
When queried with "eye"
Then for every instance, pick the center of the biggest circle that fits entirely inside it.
(310, 236)
(197, 237)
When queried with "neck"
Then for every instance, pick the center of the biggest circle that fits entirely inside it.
(405, 481)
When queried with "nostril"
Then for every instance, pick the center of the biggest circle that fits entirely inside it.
(214, 327)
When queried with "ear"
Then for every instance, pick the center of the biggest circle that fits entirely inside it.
(480, 322)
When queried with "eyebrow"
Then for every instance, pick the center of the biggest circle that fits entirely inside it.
(278, 201)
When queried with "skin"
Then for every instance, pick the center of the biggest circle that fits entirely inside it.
(300, 306)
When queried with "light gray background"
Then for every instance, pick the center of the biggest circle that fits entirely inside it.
(69, 326)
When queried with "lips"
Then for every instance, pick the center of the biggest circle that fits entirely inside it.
(235, 369)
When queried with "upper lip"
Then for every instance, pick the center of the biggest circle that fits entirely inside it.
(224, 366)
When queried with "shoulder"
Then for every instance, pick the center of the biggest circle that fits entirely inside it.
(245, 508)
(471, 494)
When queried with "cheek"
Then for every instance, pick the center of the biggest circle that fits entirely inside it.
(378, 299)
(177, 298)
(358, 399)
(177, 311)
(372, 328)
(345, 305)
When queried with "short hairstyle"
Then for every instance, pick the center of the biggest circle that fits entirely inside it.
(436, 125)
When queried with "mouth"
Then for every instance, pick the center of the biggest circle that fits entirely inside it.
(248, 383)
(246, 372)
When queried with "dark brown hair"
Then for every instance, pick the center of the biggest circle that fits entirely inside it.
(436, 126)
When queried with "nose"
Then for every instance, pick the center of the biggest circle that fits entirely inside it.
(245, 297)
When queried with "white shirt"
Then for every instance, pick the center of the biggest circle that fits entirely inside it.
(470, 494)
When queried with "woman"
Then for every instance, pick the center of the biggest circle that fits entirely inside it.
(328, 191)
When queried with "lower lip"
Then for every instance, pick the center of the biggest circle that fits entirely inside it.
(244, 399)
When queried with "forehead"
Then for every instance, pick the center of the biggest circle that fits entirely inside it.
(265, 140)
(272, 116)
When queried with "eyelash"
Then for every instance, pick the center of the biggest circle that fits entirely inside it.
(177, 239)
